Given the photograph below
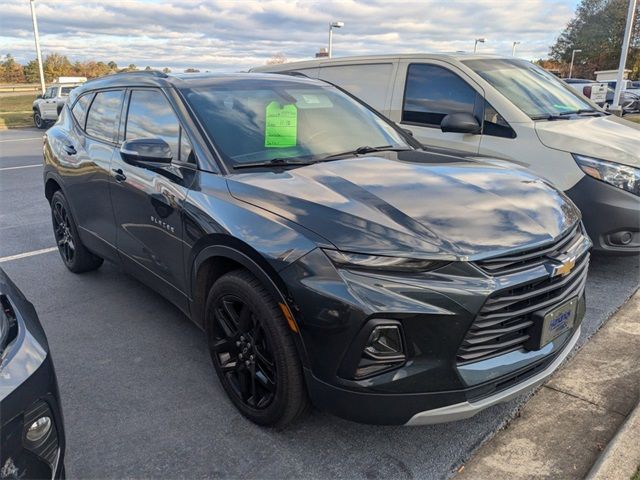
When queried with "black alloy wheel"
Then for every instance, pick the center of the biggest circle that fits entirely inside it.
(253, 351)
(243, 352)
(74, 254)
(38, 121)
(62, 232)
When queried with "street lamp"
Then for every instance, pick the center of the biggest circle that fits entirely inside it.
(333, 25)
(513, 48)
(573, 56)
(37, 37)
(478, 40)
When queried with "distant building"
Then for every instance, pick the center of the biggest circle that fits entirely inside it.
(322, 53)
(610, 75)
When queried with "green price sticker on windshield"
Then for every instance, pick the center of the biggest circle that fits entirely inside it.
(281, 125)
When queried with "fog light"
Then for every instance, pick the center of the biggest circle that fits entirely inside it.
(39, 429)
(385, 343)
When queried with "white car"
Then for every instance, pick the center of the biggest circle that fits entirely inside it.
(47, 107)
(510, 109)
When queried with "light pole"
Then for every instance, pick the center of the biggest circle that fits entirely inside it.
(573, 56)
(478, 40)
(37, 37)
(623, 54)
(333, 25)
(513, 48)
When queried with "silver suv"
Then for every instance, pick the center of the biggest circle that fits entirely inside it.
(47, 107)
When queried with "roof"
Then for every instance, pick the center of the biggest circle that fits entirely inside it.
(459, 56)
(154, 78)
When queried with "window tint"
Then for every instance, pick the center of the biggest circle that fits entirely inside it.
(80, 109)
(433, 92)
(151, 115)
(104, 115)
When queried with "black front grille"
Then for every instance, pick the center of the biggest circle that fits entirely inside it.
(505, 321)
(516, 262)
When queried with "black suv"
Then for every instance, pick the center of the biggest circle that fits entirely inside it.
(325, 254)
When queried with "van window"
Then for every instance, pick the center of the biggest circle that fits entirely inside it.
(367, 82)
(151, 115)
(79, 110)
(494, 124)
(432, 92)
(104, 115)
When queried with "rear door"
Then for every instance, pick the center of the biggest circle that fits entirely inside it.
(86, 166)
(428, 91)
(148, 201)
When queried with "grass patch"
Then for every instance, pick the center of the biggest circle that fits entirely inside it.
(16, 103)
(636, 476)
(15, 110)
(14, 120)
(633, 118)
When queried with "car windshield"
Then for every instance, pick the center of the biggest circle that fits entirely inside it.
(259, 120)
(532, 89)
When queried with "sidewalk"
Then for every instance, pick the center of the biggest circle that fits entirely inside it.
(562, 431)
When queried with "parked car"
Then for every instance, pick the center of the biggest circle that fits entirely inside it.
(32, 438)
(629, 101)
(47, 107)
(595, 91)
(628, 86)
(512, 109)
(324, 253)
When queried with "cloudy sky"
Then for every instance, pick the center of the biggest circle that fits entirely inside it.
(234, 35)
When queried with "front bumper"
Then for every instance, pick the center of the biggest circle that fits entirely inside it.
(608, 212)
(467, 409)
(436, 311)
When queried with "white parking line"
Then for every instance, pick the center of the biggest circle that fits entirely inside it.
(23, 166)
(27, 254)
(20, 139)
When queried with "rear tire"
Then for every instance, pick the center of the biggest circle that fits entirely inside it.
(253, 351)
(74, 254)
(38, 121)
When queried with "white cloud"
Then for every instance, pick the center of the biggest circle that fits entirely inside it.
(235, 35)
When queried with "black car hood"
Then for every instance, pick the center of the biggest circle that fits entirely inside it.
(431, 206)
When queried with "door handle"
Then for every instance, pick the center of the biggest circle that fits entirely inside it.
(70, 149)
(119, 175)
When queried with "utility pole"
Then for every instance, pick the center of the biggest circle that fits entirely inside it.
(333, 25)
(573, 56)
(513, 48)
(623, 54)
(37, 37)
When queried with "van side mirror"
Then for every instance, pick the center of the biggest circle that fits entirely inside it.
(460, 122)
(39, 96)
(146, 150)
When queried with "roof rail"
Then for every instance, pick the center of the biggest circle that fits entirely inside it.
(155, 73)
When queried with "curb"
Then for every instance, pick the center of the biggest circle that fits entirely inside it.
(621, 458)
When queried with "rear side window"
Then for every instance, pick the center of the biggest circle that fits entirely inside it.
(104, 115)
(79, 110)
(151, 115)
(432, 92)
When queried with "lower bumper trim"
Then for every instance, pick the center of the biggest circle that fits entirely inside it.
(460, 411)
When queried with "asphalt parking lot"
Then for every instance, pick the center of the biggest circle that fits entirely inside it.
(141, 399)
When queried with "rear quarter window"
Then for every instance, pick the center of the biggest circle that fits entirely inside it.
(104, 115)
(80, 108)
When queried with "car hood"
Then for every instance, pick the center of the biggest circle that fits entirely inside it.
(608, 138)
(431, 206)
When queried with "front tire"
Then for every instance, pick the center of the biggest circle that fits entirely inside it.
(253, 351)
(74, 254)
(38, 121)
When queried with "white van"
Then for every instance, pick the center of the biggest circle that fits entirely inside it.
(510, 109)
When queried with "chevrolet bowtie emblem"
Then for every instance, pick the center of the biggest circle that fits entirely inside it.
(565, 266)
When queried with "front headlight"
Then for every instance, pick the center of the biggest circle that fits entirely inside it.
(380, 262)
(621, 176)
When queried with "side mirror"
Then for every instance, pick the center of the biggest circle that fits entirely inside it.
(39, 96)
(146, 150)
(461, 122)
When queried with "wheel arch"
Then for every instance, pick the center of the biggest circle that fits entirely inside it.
(222, 254)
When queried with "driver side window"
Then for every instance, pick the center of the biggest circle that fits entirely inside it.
(151, 115)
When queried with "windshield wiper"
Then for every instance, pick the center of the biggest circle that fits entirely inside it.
(274, 162)
(550, 117)
(366, 149)
(581, 111)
